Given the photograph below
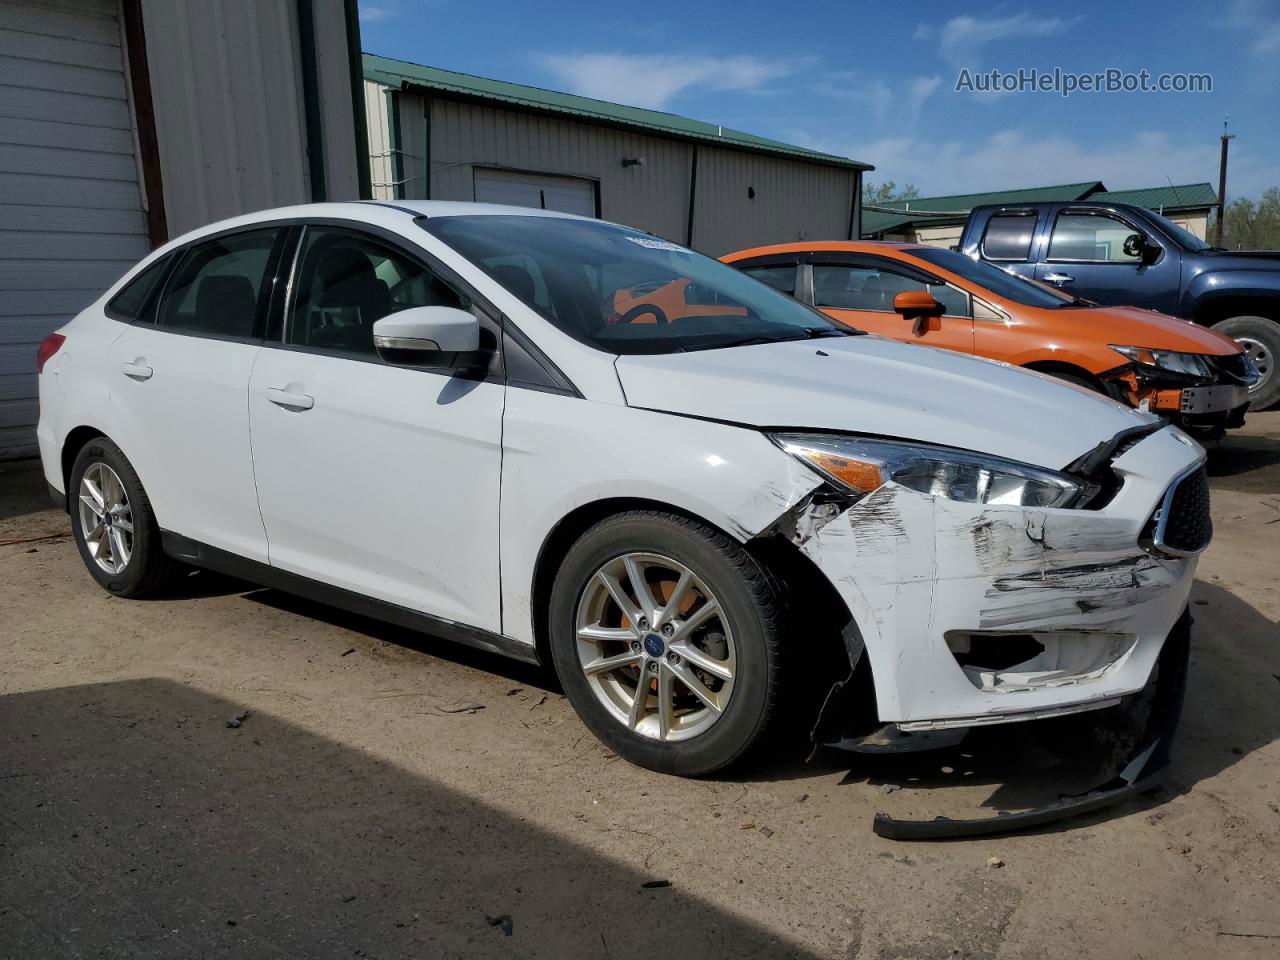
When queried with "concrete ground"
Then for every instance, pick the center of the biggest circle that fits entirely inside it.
(391, 796)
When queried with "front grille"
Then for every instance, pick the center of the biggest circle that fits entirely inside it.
(1182, 524)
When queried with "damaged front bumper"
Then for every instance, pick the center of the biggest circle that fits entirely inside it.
(1143, 772)
(972, 614)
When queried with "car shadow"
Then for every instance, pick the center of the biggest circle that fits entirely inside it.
(1232, 710)
(137, 823)
(22, 489)
(1248, 463)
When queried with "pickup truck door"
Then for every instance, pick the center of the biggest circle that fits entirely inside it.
(859, 290)
(1087, 251)
(1006, 237)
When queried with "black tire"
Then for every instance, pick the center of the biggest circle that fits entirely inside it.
(1266, 333)
(748, 595)
(149, 570)
(1078, 379)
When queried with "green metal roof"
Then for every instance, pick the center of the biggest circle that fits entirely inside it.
(402, 74)
(1187, 196)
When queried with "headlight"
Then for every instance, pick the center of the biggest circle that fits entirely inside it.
(860, 466)
(1188, 364)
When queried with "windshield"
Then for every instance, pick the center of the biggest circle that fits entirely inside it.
(1181, 235)
(1002, 283)
(626, 292)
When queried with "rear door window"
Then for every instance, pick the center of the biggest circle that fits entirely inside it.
(219, 287)
(781, 277)
(1008, 236)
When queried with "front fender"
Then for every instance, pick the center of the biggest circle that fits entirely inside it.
(561, 453)
(1211, 286)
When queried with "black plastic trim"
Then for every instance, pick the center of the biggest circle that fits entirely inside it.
(222, 561)
(58, 497)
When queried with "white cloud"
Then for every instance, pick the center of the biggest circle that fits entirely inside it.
(1260, 21)
(654, 80)
(902, 100)
(369, 14)
(1009, 160)
(961, 38)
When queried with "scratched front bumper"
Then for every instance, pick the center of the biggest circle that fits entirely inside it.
(911, 568)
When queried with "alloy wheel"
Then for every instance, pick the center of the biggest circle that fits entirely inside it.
(106, 519)
(1262, 359)
(656, 646)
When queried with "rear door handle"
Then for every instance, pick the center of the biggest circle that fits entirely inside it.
(290, 399)
(1058, 277)
(136, 369)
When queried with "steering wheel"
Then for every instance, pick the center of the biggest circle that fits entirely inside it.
(659, 315)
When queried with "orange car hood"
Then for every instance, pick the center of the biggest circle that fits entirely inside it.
(1133, 327)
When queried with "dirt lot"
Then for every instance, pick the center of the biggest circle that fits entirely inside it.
(391, 796)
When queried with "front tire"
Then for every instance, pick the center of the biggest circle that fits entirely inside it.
(665, 634)
(114, 526)
(1260, 338)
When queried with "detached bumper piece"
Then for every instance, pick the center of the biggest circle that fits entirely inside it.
(1144, 771)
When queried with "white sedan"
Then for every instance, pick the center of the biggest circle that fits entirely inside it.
(492, 424)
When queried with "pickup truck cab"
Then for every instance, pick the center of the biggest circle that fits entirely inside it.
(1119, 254)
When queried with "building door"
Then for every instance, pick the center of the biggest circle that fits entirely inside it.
(71, 216)
(566, 194)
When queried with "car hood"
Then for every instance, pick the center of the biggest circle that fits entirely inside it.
(869, 385)
(1135, 327)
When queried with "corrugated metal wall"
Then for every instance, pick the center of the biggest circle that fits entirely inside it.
(226, 82)
(380, 167)
(71, 217)
(793, 199)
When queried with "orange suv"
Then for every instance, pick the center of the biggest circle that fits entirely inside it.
(1188, 374)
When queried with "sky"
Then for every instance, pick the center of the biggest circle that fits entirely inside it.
(877, 82)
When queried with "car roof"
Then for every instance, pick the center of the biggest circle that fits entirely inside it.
(829, 246)
(467, 208)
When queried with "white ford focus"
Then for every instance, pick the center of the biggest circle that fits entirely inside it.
(491, 423)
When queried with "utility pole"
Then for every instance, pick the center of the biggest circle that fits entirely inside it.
(1222, 180)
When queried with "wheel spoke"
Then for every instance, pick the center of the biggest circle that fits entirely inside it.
(619, 597)
(672, 608)
(92, 504)
(95, 492)
(595, 633)
(119, 548)
(696, 619)
(696, 687)
(641, 699)
(640, 587)
(666, 700)
(605, 664)
(122, 524)
(703, 661)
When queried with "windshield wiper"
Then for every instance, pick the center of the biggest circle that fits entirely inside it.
(813, 333)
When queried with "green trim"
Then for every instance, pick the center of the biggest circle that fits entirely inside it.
(403, 75)
(364, 180)
(426, 148)
(311, 101)
(393, 144)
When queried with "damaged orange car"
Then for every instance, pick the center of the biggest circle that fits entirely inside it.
(1188, 374)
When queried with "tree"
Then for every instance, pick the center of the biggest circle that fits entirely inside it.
(1252, 226)
(888, 191)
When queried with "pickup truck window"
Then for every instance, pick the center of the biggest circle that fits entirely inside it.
(1008, 236)
(1180, 235)
(873, 288)
(1003, 284)
(1093, 237)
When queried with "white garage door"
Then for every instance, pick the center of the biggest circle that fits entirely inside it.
(566, 194)
(71, 218)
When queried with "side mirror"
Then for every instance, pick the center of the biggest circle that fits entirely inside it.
(1133, 245)
(427, 337)
(917, 303)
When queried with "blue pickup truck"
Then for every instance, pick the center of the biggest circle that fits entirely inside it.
(1124, 255)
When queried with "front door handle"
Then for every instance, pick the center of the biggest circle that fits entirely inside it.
(290, 399)
(1058, 277)
(136, 369)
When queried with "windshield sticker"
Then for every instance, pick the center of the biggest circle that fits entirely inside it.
(653, 243)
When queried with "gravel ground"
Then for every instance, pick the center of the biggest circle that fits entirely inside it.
(387, 795)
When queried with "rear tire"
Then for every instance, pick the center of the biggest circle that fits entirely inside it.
(1260, 337)
(732, 655)
(114, 526)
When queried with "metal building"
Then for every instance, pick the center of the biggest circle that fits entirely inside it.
(435, 134)
(126, 122)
